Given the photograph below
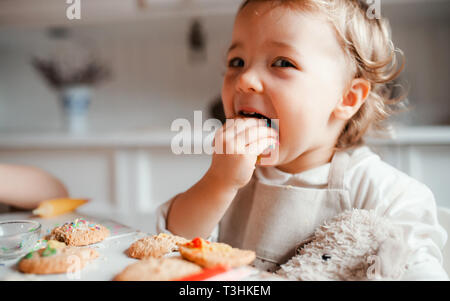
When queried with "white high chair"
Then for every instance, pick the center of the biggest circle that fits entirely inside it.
(444, 220)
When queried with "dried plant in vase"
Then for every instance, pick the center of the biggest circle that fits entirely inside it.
(73, 81)
(60, 75)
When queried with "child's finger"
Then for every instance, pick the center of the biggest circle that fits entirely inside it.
(237, 143)
(218, 141)
(242, 127)
(241, 124)
(226, 131)
(224, 140)
(251, 135)
(231, 138)
(259, 146)
(220, 133)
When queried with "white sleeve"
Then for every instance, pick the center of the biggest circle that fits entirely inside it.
(417, 215)
(408, 204)
(161, 217)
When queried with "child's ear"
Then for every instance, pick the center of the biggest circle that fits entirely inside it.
(353, 99)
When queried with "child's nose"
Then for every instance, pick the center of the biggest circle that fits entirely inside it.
(249, 81)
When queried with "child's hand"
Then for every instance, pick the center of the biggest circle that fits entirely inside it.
(236, 148)
(237, 145)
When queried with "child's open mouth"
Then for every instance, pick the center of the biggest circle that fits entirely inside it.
(256, 115)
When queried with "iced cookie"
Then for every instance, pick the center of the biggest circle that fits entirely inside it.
(155, 246)
(208, 254)
(56, 258)
(79, 233)
(158, 269)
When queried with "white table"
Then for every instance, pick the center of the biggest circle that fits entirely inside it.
(112, 258)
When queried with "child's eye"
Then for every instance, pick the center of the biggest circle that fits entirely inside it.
(283, 63)
(236, 62)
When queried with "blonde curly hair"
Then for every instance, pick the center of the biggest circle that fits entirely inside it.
(370, 51)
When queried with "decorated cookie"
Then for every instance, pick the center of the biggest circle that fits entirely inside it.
(79, 233)
(56, 258)
(155, 246)
(208, 254)
(158, 269)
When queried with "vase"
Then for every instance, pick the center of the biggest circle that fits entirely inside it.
(75, 102)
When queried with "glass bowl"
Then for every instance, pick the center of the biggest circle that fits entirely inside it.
(17, 238)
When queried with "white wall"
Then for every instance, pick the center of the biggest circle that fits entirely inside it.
(153, 80)
(424, 36)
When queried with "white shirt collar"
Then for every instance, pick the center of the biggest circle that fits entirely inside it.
(313, 178)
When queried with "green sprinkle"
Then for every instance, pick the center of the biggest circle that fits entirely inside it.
(31, 229)
(29, 255)
(48, 252)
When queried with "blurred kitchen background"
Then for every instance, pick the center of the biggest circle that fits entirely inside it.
(159, 60)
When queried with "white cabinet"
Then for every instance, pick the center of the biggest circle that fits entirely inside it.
(424, 154)
(429, 164)
(130, 173)
(130, 180)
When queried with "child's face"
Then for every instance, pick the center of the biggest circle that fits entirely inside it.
(286, 65)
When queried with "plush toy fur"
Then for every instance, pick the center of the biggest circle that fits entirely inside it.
(355, 245)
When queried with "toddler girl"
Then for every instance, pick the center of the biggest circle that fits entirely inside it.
(322, 68)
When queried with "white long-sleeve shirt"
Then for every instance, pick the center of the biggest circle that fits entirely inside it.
(373, 184)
